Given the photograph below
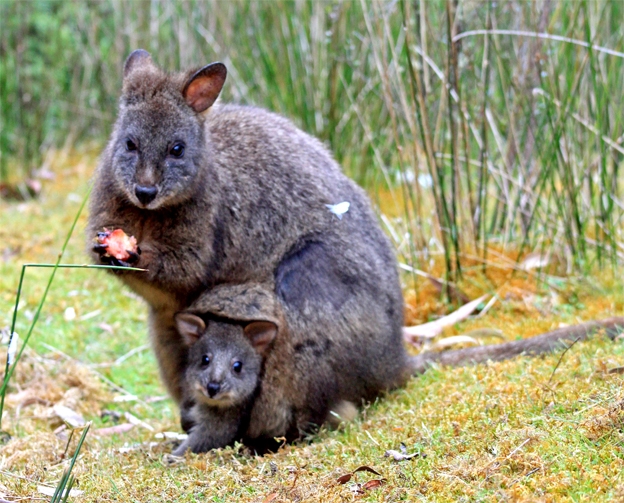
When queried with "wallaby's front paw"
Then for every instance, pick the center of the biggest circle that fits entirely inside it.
(115, 262)
(116, 248)
(181, 449)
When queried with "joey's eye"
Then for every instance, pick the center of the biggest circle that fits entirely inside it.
(177, 150)
(205, 360)
(130, 145)
(237, 367)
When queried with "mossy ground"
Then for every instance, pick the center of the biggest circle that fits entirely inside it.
(524, 430)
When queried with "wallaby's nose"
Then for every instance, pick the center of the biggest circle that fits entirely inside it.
(213, 388)
(145, 194)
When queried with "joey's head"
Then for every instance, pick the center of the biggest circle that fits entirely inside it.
(158, 147)
(224, 357)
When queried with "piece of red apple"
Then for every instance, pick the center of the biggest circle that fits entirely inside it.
(118, 244)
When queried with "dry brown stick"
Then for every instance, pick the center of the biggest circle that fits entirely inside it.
(543, 343)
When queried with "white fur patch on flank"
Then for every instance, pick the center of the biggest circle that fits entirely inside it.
(339, 209)
(342, 412)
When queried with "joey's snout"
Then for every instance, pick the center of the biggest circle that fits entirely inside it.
(213, 388)
(145, 193)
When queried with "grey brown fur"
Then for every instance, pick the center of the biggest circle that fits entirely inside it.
(300, 383)
(298, 389)
(246, 204)
(222, 377)
(216, 421)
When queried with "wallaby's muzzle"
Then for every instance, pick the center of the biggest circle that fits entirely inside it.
(213, 389)
(145, 194)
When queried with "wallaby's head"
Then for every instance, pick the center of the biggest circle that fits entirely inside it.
(224, 357)
(158, 145)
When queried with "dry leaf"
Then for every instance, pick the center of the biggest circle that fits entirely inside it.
(485, 332)
(453, 341)
(113, 430)
(171, 435)
(487, 307)
(71, 417)
(138, 422)
(399, 456)
(438, 283)
(434, 328)
(106, 327)
(366, 469)
(49, 491)
(347, 476)
(270, 498)
(90, 315)
(455, 293)
(125, 398)
(373, 484)
(343, 479)
(616, 370)
(154, 399)
(534, 261)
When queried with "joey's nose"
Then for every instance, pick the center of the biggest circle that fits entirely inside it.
(145, 194)
(213, 388)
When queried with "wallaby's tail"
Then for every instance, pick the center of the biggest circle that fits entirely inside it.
(539, 344)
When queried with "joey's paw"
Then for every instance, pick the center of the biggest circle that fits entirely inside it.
(172, 459)
(116, 248)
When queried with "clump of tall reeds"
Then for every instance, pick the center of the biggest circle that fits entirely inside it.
(488, 123)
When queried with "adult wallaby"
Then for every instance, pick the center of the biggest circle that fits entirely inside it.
(291, 387)
(229, 194)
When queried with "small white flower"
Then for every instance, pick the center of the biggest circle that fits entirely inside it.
(339, 209)
(12, 348)
(69, 314)
(425, 180)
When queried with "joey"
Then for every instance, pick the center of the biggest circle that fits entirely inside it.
(222, 376)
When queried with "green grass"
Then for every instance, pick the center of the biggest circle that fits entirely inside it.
(512, 430)
(525, 148)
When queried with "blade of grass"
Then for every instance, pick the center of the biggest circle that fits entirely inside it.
(67, 480)
(10, 365)
(546, 36)
(9, 371)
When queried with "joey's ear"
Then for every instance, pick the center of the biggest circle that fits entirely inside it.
(204, 86)
(137, 59)
(191, 327)
(261, 334)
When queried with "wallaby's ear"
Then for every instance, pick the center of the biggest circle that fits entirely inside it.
(137, 59)
(191, 327)
(204, 86)
(261, 334)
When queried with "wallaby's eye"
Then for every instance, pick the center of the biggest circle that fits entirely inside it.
(237, 367)
(130, 145)
(205, 360)
(177, 150)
